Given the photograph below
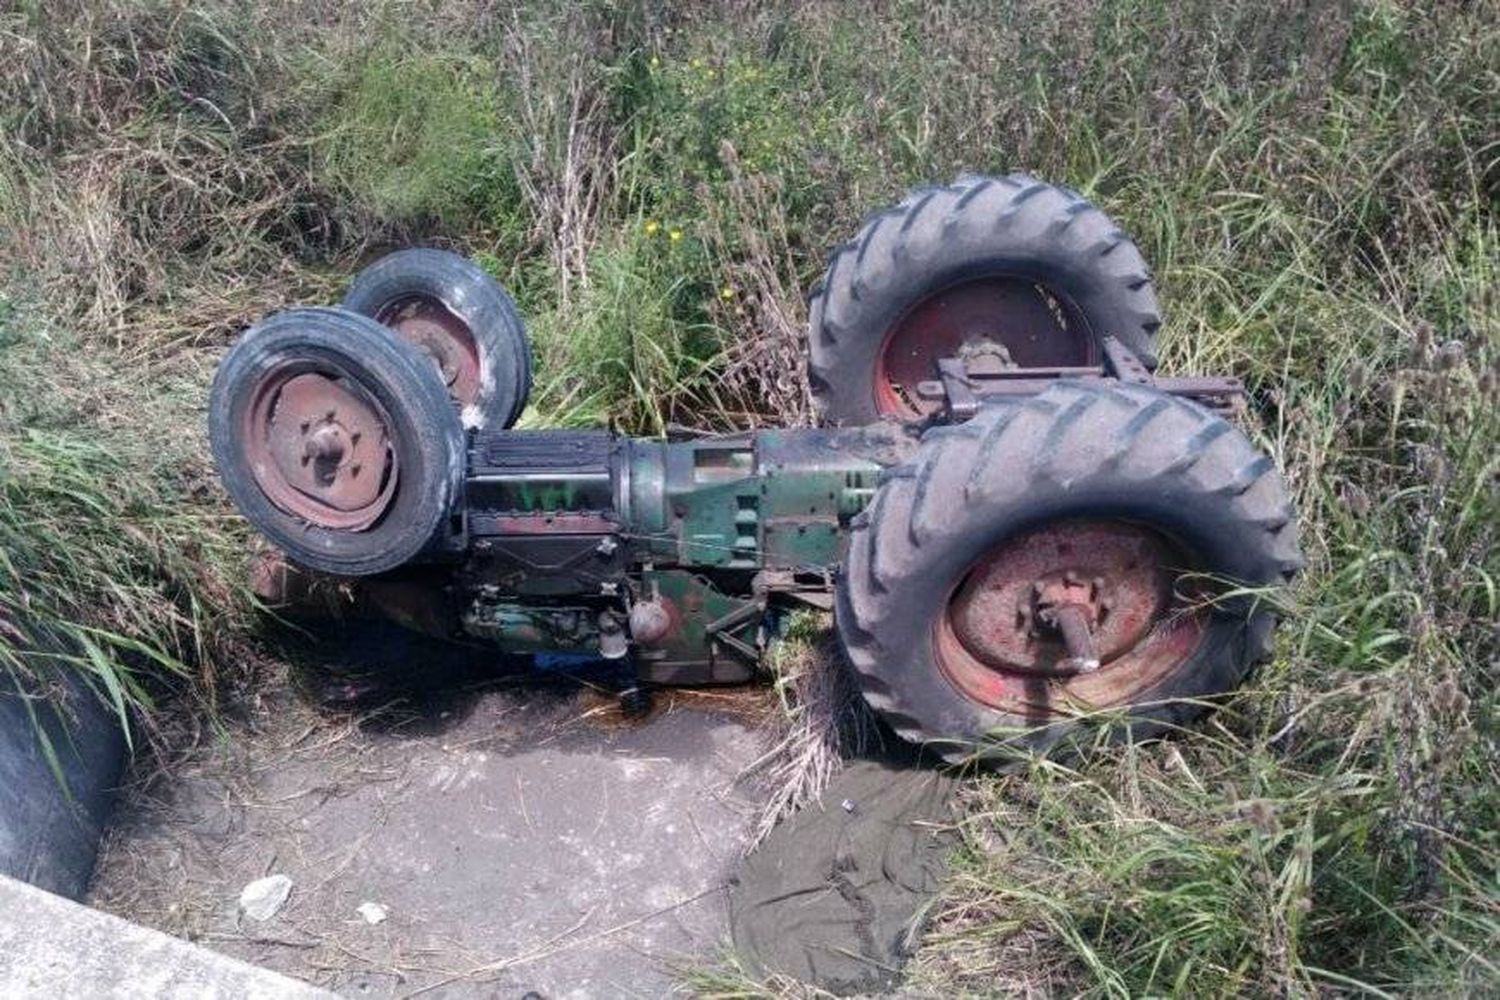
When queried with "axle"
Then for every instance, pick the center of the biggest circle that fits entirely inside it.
(771, 499)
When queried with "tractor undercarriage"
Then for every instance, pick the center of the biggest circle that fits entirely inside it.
(684, 554)
(1018, 525)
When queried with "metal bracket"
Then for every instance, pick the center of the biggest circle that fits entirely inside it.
(1121, 362)
(964, 386)
(723, 629)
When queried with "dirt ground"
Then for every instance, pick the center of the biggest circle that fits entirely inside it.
(520, 834)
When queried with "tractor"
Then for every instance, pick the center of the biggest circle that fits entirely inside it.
(1022, 532)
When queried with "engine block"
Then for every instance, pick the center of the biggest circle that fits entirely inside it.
(574, 540)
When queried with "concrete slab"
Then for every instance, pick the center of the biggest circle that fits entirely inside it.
(520, 837)
(53, 947)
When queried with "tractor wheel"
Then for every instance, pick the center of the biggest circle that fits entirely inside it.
(335, 441)
(1072, 559)
(1011, 267)
(461, 317)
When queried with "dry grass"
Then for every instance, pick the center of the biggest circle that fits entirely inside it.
(1315, 185)
(823, 722)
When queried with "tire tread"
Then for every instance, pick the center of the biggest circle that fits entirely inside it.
(992, 457)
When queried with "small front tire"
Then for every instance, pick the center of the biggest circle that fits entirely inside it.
(335, 441)
(452, 310)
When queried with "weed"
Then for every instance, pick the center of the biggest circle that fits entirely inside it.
(416, 137)
(112, 570)
(1315, 184)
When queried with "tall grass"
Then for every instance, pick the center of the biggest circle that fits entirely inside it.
(1315, 184)
(116, 567)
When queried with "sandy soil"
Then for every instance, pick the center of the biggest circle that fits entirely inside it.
(519, 833)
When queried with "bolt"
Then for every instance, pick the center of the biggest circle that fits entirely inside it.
(635, 702)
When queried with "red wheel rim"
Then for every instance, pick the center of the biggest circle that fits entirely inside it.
(319, 447)
(1022, 322)
(443, 335)
(1000, 640)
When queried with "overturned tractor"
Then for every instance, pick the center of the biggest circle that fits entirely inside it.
(1020, 529)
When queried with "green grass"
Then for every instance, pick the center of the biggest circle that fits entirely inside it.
(1314, 184)
(640, 348)
(116, 566)
(416, 136)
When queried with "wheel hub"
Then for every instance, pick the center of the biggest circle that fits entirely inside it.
(1069, 607)
(1004, 320)
(319, 449)
(1087, 604)
(443, 336)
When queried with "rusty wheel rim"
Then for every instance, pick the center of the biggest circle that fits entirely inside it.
(442, 335)
(1003, 637)
(1019, 321)
(319, 447)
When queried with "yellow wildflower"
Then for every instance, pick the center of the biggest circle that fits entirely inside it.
(652, 227)
(675, 235)
(726, 292)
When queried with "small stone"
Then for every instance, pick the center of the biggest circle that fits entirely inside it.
(847, 805)
(373, 913)
(264, 898)
(1451, 355)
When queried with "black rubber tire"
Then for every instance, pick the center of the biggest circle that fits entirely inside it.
(470, 293)
(1077, 450)
(50, 830)
(938, 236)
(429, 440)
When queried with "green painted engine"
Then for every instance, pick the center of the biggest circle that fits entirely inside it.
(676, 551)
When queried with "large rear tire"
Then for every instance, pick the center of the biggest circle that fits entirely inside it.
(1146, 507)
(1030, 273)
(336, 441)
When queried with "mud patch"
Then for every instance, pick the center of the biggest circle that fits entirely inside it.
(518, 835)
(836, 895)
